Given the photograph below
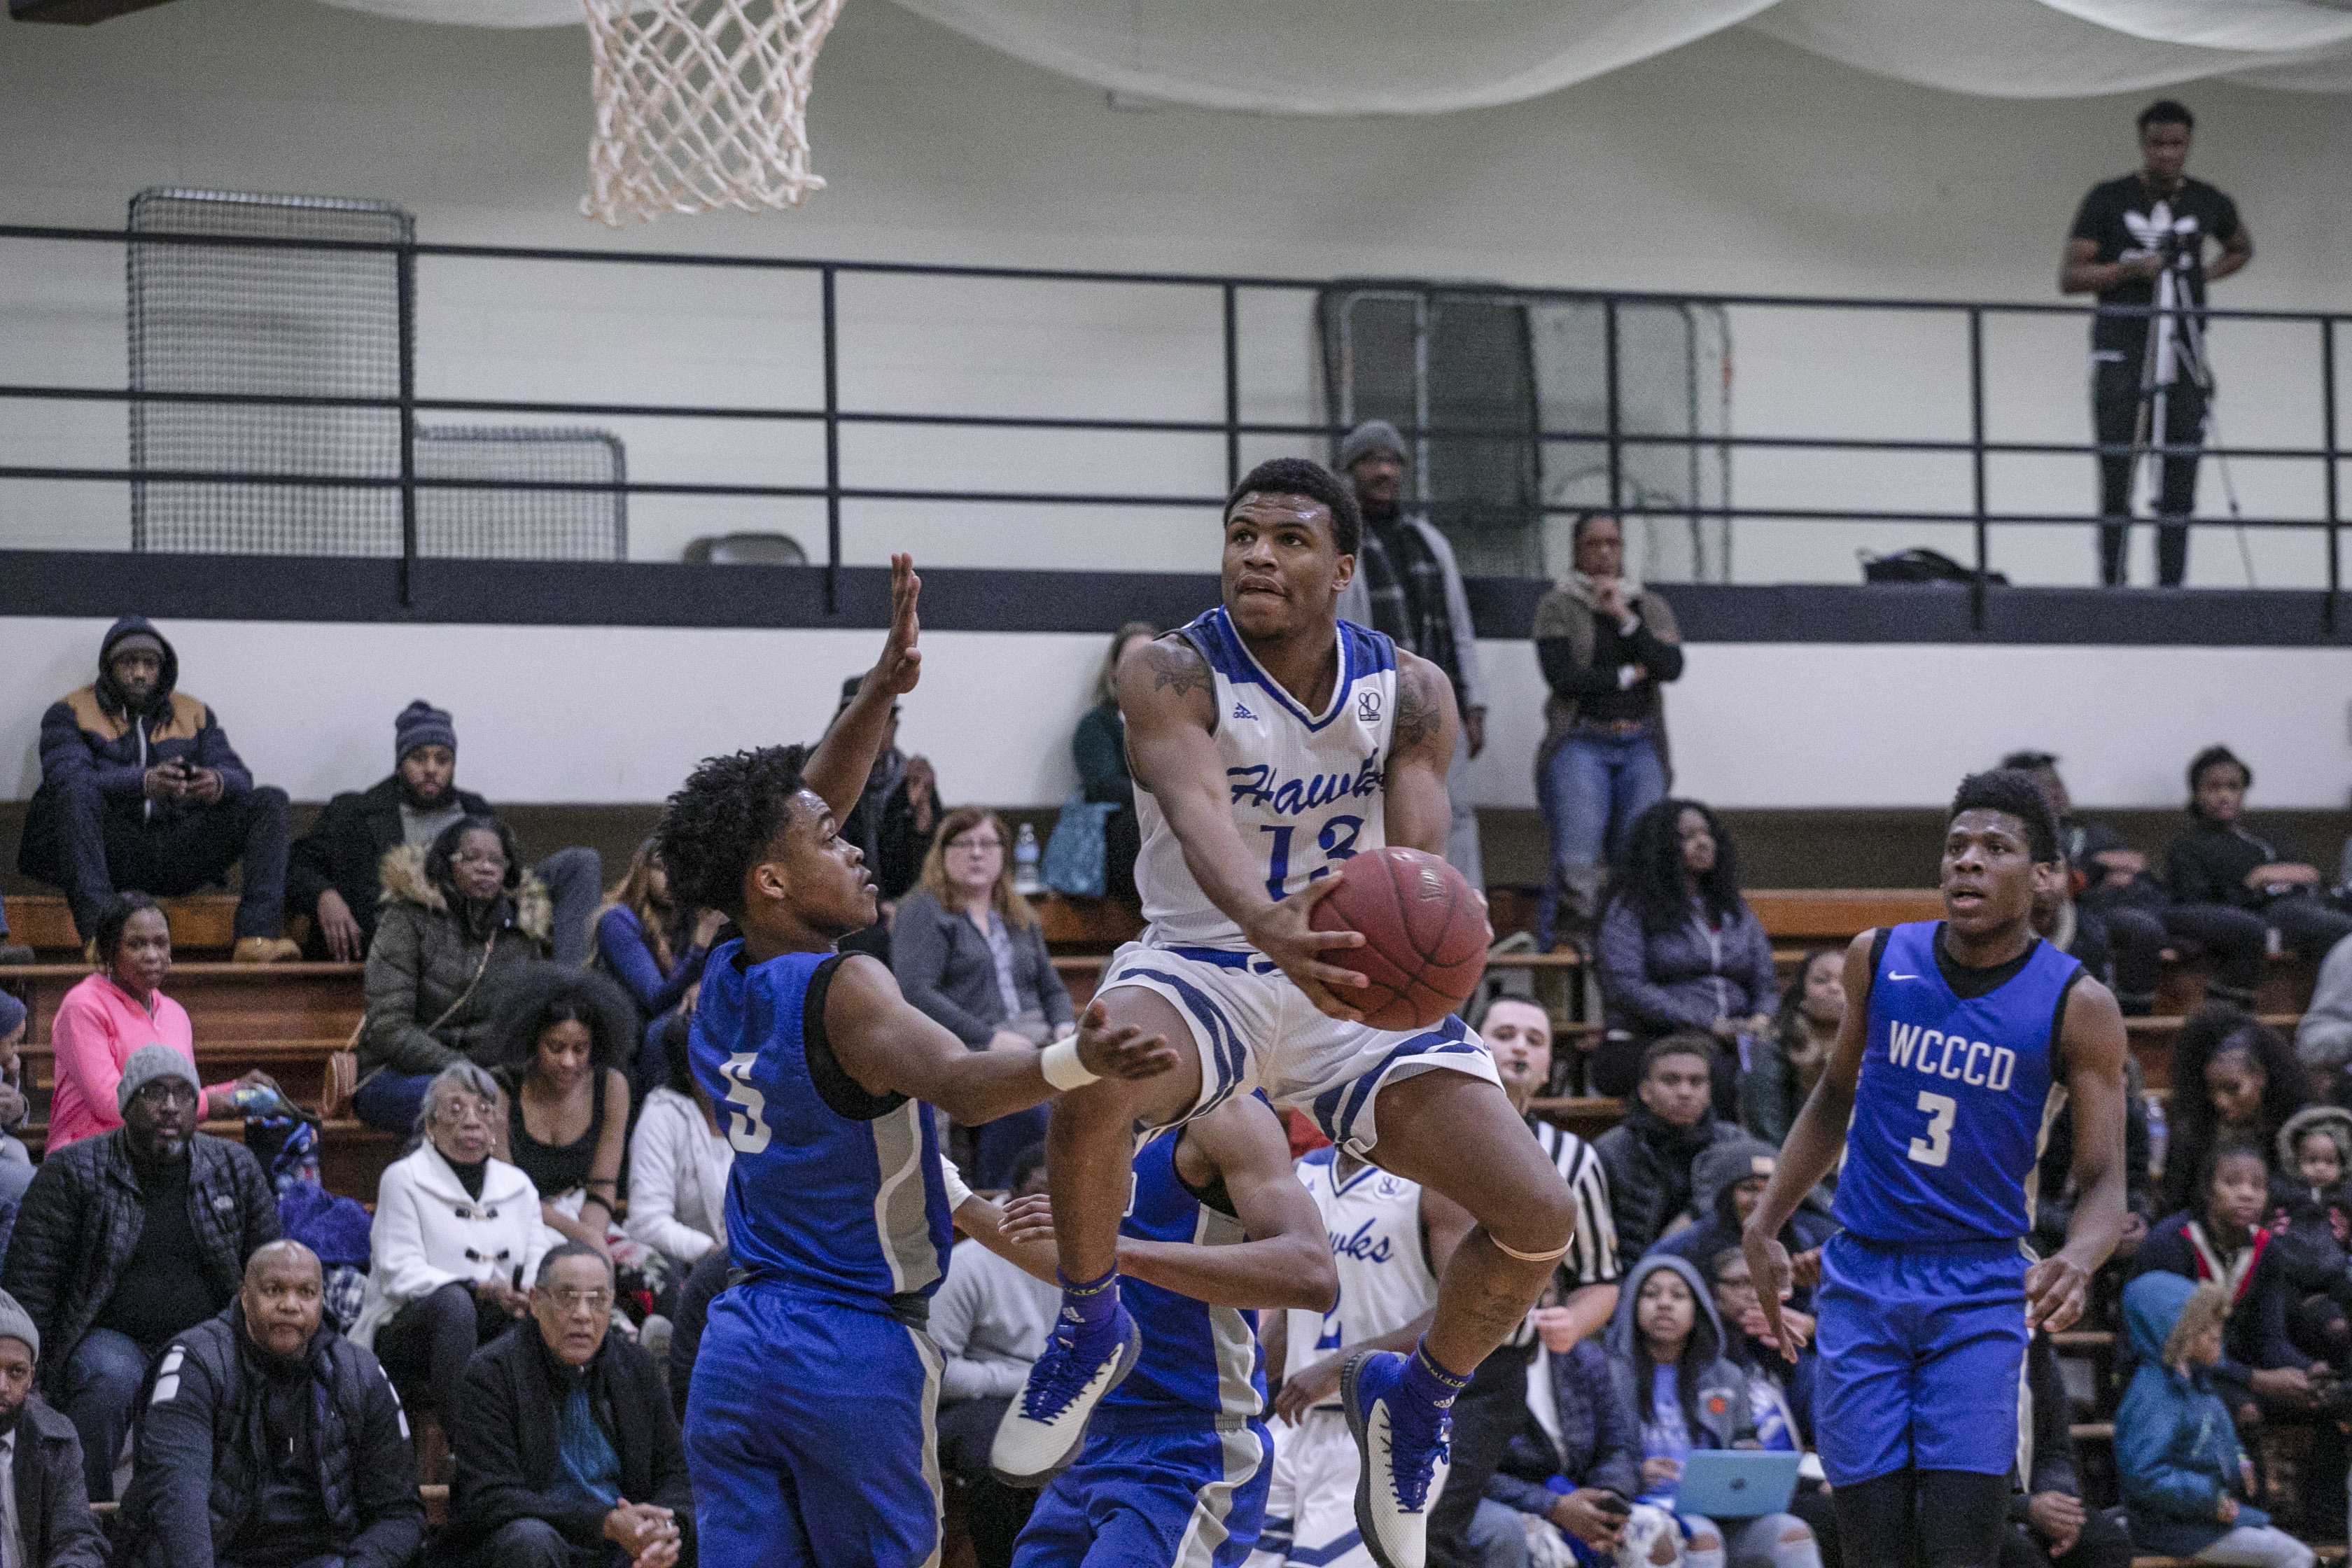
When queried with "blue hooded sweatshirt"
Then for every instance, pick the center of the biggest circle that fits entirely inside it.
(2176, 1447)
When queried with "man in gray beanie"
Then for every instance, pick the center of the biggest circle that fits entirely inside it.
(331, 872)
(1408, 586)
(127, 1238)
(47, 1521)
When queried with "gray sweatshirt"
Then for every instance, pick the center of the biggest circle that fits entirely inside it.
(2324, 1037)
(989, 1320)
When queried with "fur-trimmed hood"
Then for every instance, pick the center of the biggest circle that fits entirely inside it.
(401, 875)
(2334, 1119)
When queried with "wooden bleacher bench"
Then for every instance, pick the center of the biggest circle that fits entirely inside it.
(201, 923)
(2325, 1551)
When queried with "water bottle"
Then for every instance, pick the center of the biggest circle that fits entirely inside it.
(2156, 1135)
(1024, 863)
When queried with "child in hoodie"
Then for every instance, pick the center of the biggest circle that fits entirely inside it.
(1665, 1348)
(2311, 1223)
(2185, 1479)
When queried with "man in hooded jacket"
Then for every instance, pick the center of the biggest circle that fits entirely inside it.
(140, 788)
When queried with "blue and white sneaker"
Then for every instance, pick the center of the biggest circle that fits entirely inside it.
(1041, 1433)
(1400, 1447)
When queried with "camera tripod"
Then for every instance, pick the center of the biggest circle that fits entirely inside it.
(2173, 354)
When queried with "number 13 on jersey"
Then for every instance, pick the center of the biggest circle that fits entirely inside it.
(1337, 840)
(1937, 1146)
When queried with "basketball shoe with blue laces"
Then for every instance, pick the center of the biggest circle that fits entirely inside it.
(1041, 1432)
(1401, 1445)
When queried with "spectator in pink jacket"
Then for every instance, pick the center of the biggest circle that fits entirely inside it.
(113, 1013)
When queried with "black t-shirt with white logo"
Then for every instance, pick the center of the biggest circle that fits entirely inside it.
(2122, 218)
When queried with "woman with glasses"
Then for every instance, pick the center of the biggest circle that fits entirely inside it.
(968, 951)
(456, 1239)
(118, 1009)
(456, 917)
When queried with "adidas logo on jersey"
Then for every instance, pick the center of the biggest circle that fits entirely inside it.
(1241, 711)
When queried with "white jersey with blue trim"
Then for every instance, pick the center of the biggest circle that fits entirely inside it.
(1374, 1222)
(1306, 788)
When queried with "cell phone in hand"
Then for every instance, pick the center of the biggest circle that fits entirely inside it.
(1611, 1503)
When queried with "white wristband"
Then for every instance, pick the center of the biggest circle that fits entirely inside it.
(1060, 1063)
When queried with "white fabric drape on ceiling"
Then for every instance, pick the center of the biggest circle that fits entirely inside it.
(1434, 57)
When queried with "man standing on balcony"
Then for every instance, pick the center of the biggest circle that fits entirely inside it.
(2132, 237)
(1407, 585)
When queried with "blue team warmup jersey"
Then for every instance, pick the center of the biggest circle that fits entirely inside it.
(1198, 1360)
(1176, 1462)
(809, 1425)
(834, 1191)
(1922, 1303)
(1955, 1098)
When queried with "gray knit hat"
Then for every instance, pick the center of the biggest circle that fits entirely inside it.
(16, 1323)
(149, 1063)
(422, 724)
(1372, 436)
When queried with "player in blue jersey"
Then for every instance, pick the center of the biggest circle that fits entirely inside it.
(1177, 1460)
(809, 1429)
(1962, 1038)
(1271, 740)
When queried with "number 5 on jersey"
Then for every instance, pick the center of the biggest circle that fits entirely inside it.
(747, 1121)
(1937, 1147)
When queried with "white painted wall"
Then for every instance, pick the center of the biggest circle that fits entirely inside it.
(1734, 164)
(615, 715)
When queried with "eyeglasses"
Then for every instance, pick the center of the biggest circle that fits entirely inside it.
(598, 1300)
(164, 1092)
(458, 1112)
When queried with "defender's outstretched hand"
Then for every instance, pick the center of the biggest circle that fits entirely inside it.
(1284, 932)
(1126, 1052)
(901, 664)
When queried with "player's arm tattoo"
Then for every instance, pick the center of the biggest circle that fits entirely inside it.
(1175, 662)
(1421, 711)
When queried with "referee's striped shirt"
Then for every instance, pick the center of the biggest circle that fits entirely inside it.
(1592, 1256)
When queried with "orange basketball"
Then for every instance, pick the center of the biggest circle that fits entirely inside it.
(1425, 936)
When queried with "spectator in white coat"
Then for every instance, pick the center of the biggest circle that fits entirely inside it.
(678, 1159)
(456, 1240)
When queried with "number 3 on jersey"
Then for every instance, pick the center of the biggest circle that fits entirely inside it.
(1937, 1147)
(747, 1121)
(1337, 840)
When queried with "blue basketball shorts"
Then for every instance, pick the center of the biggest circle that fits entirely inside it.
(1922, 1358)
(810, 1434)
(1164, 1496)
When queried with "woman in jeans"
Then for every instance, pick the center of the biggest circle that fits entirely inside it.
(968, 953)
(1606, 645)
(1681, 951)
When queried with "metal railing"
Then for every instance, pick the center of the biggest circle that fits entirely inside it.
(833, 491)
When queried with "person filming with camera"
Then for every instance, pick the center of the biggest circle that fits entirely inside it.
(2139, 243)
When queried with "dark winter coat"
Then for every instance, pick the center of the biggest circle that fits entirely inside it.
(91, 736)
(2208, 865)
(81, 1221)
(52, 1500)
(423, 962)
(1649, 1161)
(2253, 1336)
(1599, 1441)
(2309, 1225)
(1657, 982)
(505, 1439)
(201, 1463)
(346, 844)
(2053, 1208)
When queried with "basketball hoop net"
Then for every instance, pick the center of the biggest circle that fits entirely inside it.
(702, 104)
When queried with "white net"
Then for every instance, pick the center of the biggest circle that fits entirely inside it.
(702, 104)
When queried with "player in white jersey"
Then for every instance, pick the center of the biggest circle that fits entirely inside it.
(1391, 1240)
(1270, 742)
